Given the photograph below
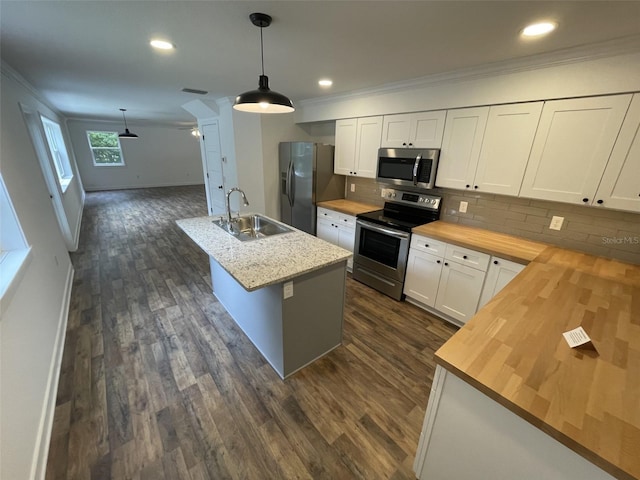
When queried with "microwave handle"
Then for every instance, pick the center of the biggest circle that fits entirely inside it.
(416, 165)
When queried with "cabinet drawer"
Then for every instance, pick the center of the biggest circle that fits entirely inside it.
(327, 214)
(348, 221)
(428, 245)
(467, 257)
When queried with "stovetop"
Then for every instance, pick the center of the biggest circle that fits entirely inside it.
(405, 210)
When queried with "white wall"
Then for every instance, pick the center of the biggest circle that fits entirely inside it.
(517, 82)
(276, 129)
(33, 321)
(162, 156)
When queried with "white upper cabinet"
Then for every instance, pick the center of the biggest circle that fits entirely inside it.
(345, 151)
(573, 143)
(620, 185)
(413, 130)
(506, 147)
(357, 144)
(461, 143)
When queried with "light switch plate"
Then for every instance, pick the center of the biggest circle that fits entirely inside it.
(463, 207)
(556, 223)
(353, 187)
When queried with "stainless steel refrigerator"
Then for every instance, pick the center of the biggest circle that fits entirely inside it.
(306, 177)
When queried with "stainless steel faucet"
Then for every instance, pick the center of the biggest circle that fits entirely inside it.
(244, 199)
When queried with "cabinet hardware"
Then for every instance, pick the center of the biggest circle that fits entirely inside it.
(467, 186)
(585, 200)
(446, 264)
(475, 186)
(426, 245)
(464, 256)
(437, 261)
(600, 202)
(495, 262)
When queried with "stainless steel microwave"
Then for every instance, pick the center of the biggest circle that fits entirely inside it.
(409, 167)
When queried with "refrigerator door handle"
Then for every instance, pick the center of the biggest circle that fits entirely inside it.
(291, 186)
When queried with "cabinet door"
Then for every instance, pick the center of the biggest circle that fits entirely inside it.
(620, 185)
(345, 151)
(506, 146)
(427, 129)
(396, 130)
(367, 144)
(422, 277)
(500, 273)
(461, 144)
(571, 148)
(346, 240)
(327, 231)
(459, 291)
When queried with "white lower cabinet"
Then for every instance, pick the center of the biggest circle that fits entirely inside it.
(454, 281)
(423, 276)
(459, 290)
(337, 228)
(500, 273)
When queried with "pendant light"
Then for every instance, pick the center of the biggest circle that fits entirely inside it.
(262, 100)
(127, 133)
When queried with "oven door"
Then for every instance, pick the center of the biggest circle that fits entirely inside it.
(381, 249)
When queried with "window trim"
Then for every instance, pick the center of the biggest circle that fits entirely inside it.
(119, 148)
(15, 253)
(59, 157)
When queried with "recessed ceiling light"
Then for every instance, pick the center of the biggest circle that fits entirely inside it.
(325, 82)
(537, 29)
(162, 44)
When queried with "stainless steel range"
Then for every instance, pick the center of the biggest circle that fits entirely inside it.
(383, 238)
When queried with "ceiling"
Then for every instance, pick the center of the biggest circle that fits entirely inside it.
(90, 58)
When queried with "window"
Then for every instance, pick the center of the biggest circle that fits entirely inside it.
(58, 151)
(14, 251)
(105, 149)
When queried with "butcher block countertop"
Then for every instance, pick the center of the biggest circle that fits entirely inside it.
(505, 246)
(348, 207)
(514, 352)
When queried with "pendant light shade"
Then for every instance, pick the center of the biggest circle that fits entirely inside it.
(262, 100)
(127, 133)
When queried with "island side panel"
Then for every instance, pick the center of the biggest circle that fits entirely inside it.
(257, 313)
(471, 436)
(313, 316)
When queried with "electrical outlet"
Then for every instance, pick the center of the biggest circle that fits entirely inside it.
(556, 223)
(353, 187)
(463, 207)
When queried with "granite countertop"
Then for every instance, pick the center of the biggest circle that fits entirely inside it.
(266, 261)
(513, 351)
(348, 207)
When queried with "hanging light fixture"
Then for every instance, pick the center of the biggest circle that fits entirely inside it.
(262, 100)
(127, 133)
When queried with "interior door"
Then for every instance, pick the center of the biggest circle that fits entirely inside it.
(214, 170)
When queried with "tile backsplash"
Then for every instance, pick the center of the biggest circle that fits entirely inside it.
(608, 233)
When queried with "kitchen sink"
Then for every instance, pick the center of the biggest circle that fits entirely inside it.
(251, 227)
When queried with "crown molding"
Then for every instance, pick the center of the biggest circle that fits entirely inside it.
(583, 53)
(11, 73)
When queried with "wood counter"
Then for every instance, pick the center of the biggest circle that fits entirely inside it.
(348, 207)
(514, 352)
(506, 246)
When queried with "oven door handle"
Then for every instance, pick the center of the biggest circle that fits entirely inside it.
(388, 231)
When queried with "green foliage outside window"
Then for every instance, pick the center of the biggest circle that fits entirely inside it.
(105, 148)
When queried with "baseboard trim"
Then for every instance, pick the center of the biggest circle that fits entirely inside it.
(133, 187)
(41, 452)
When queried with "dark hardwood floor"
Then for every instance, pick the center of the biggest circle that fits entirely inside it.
(158, 382)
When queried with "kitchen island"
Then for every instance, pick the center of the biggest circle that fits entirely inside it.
(286, 291)
(510, 399)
